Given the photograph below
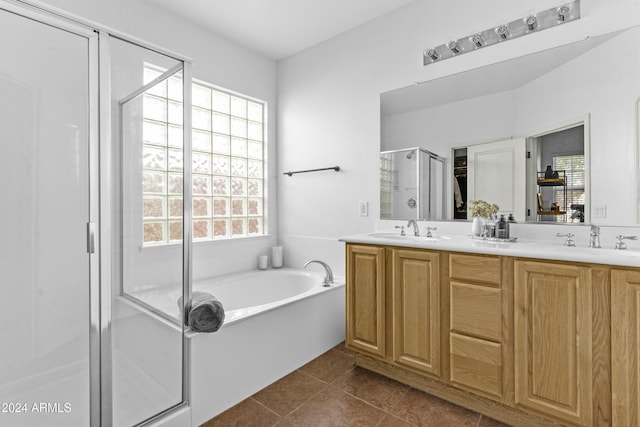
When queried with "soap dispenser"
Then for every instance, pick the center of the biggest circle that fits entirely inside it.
(502, 228)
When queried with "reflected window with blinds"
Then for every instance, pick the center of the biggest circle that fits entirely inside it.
(574, 167)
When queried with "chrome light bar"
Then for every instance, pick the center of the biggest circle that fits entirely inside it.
(520, 27)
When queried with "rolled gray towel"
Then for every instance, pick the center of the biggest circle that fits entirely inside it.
(204, 314)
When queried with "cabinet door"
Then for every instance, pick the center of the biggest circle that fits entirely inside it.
(553, 340)
(416, 310)
(365, 299)
(625, 347)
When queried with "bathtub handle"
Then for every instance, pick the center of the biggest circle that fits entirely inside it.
(328, 278)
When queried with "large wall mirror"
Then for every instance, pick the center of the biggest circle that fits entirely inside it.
(549, 137)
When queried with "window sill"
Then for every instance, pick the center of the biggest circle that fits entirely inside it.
(203, 243)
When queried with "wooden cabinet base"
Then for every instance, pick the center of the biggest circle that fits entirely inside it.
(459, 397)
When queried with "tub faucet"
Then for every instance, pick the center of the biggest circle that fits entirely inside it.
(594, 237)
(416, 230)
(328, 278)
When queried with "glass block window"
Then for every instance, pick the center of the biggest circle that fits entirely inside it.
(386, 163)
(228, 166)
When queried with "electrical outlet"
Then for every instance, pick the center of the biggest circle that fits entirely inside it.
(599, 211)
(364, 209)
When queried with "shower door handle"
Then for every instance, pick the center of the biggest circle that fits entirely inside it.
(91, 237)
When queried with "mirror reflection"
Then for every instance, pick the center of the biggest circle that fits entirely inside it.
(547, 137)
(411, 184)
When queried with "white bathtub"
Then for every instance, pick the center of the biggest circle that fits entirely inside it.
(243, 294)
(275, 322)
(248, 294)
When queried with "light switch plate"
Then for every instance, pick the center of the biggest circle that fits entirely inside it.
(364, 209)
(599, 211)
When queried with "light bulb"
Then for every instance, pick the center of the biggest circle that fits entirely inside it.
(531, 22)
(431, 53)
(563, 11)
(477, 40)
(454, 46)
(503, 32)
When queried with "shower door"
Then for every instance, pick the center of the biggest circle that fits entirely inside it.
(48, 299)
(150, 148)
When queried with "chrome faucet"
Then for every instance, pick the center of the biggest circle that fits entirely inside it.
(594, 237)
(416, 230)
(328, 278)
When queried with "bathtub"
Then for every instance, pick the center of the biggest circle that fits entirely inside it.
(275, 322)
(248, 294)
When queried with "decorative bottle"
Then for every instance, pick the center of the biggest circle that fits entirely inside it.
(502, 228)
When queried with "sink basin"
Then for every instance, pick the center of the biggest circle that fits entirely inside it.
(407, 238)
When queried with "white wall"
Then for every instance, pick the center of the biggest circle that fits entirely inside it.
(437, 129)
(329, 111)
(216, 61)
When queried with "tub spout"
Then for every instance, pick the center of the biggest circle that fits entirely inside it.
(328, 278)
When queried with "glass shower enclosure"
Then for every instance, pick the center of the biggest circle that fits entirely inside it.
(149, 151)
(48, 188)
(411, 185)
(95, 132)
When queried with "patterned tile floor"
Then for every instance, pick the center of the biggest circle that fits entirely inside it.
(329, 391)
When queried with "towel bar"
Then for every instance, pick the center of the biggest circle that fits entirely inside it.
(335, 168)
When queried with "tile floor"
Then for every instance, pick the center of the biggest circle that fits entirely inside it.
(329, 391)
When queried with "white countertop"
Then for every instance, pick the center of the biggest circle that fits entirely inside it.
(554, 250)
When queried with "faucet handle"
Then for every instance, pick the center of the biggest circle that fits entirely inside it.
(429, 229)
(401, 227)
(622, 245)
(569, 236)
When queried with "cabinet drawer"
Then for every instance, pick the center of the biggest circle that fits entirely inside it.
(475, 268)
(476, 310)
(476, 363)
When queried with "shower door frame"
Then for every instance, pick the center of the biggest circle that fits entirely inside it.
(100, 192)
(94, 246)
(106, 179)
(187, 231)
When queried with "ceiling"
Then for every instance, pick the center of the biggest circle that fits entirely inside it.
(278, 28)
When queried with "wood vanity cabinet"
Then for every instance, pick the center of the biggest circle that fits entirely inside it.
(528, 342)
(416, 309)
(365, 299)
(393, 305)
(480, 306)
(553, 340)
(625, 345)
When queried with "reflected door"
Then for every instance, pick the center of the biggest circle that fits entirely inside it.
(45, 187)
(496, 174)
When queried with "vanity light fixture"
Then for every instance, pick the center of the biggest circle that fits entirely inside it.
(532, 22)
